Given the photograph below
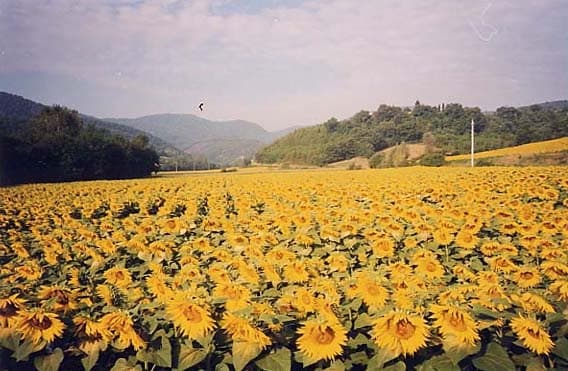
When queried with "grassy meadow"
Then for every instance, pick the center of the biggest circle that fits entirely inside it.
(418, 268)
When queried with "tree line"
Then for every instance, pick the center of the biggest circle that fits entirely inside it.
(56, 145)
(449, 124)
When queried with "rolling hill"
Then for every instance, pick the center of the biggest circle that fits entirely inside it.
(16, 111)
(446, 127)
(222, 142)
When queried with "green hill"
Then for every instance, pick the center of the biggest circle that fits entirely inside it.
(16, 113)
(446, 127)
(223, 142)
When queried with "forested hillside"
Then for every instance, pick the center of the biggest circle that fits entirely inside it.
(56, 145)
(368, 132)
(17, 112)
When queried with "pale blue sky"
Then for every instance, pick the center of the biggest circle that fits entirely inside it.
(281, 62)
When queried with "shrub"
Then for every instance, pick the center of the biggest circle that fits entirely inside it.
(433, 159)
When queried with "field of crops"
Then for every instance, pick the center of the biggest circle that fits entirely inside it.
(425, 268)
(548, 146)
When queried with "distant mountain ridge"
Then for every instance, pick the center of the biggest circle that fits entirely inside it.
(223, 142)
(16, 111)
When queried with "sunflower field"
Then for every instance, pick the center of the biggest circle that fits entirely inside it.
(412, 268)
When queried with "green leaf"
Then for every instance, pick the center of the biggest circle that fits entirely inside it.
(160, 357)
(26, 348)
(222, 367)
(189, 356)
(535, 364)
(494, 359)
(281, 360)
(456, 354)
(50, 362)
(356, 304)
(379, 359)
(360, 339)
(359, 358)
(561, 348)
(336, 366)
(399, 366)
(10, 340)
(163, 357)
(478, 310)
(244, 352)
(90, 360)
(439, 363)
(122, 364)
(363, 320)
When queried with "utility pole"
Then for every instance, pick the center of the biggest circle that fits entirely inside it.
(472, 142)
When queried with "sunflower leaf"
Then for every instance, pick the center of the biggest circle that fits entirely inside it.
(244, 352)
(379, 359)
(439, 363)
(122, 364)
(494, 359)
(90, 360)
(50, 362)
(399, 366)
(26, 348)
(281, 360)
(9, 340)
(189, 357)
(561, 348)
(363, 320)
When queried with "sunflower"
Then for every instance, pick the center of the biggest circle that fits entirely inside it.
(442, 236)
(533, 303)
(120, 277)
(527, 277)
(37, 325)
(456, 326)
(91, 334)
(399, 271)
(304, 300)
(241, 330)
(296, 272)
(192, 320)
(337, 262)
(9, 309)
(121, 326)
(531, 333)
(554, 269)
(383, 247)
(64, 299)
(372, 293)
(30, 271)
(105, 292)
(466, 239)
(560, 288)
(430, 268)
(321, 340)
(400, 333)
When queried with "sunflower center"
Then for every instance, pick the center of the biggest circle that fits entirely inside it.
(533, 333)
(171, 224)
(431, 267)
(119, 275)
(404, 329)
(61, 297)
(457, 322)
(326, 336)
(192, 315)
(42, 324)
(9, 310)
(373, 289)
(527, 275)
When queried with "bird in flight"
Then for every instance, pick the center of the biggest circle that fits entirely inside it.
(201, 106)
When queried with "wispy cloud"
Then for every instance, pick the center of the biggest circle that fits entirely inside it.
(286, 62)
